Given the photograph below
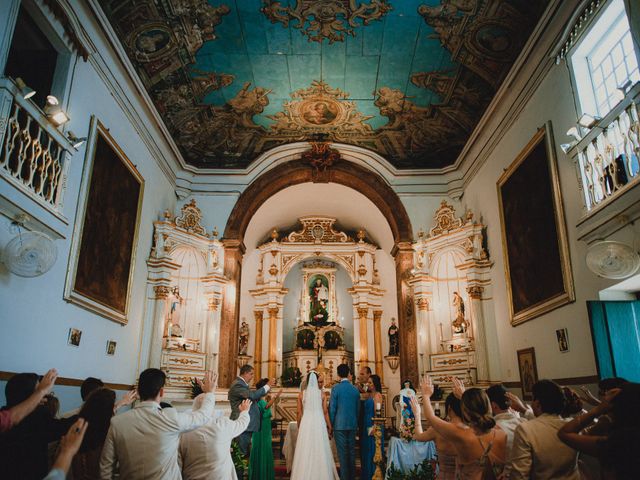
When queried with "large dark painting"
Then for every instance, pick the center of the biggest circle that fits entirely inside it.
(112, 189)
(533, 231)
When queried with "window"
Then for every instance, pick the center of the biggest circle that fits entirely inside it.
(32, 57)
(604, 60)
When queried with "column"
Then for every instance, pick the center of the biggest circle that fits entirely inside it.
(210, 346)
(273, 341)
(227, 366)
(377, 342)
(477, 318)
(257, 355)
(160, 294)
(425, 346)
(403, 255)
(364, 342)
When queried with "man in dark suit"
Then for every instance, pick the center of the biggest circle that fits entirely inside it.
(343, 413)
(239, 391)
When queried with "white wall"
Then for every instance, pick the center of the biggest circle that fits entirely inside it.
(35, 319)
(552, 101)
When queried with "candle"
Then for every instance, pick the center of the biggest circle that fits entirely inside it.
(378, 407)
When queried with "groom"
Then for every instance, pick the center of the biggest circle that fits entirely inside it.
(343, 413)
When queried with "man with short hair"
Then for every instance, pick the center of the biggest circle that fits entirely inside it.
(240, 391)
(537, 452)
(344, 407)
(143, 442)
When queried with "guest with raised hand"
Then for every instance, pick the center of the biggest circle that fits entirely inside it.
(261, 457)
(372, 403)
(480, 445)
(205, 453)
(97, 411)
(69, 445)
(446, 451)
(143, 442)
(11, 417)
(24, 448)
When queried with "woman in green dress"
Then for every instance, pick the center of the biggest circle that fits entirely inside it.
(261, 457)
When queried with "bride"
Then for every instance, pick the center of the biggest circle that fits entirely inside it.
(313, 459)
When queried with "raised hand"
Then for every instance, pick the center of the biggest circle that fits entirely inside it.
(426, 385)
(128, 398)
(516, 403)
(458, 387)
(415, 406)
(210, 382)
(245, 405)
(47, 382)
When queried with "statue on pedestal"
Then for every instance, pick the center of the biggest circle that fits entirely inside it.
(394, 339)
(459, 324)
(243, 342)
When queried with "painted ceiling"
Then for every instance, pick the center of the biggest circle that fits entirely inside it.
(408, 79)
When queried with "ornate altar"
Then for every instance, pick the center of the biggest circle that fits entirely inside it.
(451, 284)
(185, 284)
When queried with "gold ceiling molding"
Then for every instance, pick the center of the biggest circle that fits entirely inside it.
(325, 19)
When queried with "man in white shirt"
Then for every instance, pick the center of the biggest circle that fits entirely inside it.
(143, 442)
(537, 452)
(205, 453)
(505, 409)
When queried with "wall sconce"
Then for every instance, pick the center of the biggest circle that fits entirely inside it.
(568, 146)
(573, 132)
(54, 111)
(76, 141)
(588, 121)
(26, 91)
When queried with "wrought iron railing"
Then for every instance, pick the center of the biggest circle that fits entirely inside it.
(32, 154)
(608, 156)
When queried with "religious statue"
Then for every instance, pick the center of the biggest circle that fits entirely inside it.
(459, 324)
(394, 340)
(319, 295)
(243, 342)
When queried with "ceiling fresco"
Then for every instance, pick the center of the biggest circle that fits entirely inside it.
(408, 79)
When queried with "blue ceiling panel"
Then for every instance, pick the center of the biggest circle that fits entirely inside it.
(360, 77)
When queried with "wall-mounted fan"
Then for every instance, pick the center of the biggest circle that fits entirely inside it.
(29, 254)
(614, 260)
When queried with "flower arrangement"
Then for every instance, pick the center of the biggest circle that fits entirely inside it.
(422, 471)
(195, 388)
(407, 428)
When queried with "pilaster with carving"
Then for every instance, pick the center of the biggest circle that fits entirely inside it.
(403, 255)
(377, 342)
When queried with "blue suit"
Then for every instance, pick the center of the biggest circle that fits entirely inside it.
(344, 406)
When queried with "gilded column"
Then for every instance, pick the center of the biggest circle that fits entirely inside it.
(377, 341)
(403, 255)
(477, 318)
(257, 360)
(227, 366)
(364, 341)
(211, 347)
(273, 341)
(160, 294)
(425, 346)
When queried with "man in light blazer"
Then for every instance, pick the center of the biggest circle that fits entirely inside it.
(239, 391)
(142, 444)
(344, 407)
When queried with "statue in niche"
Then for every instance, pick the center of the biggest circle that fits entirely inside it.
(459, 324)
(319, 301)
(332, 340)
(243, 342)
(305, 339)
(394, 339)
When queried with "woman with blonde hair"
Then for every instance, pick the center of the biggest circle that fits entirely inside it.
(479, 443)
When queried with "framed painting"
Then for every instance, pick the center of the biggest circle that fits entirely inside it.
(534, 236)
(563, 339)
(528, 371)
(106, 229)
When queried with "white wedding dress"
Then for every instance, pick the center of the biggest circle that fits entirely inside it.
(313, 459)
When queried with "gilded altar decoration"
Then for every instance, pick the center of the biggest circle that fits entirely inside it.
(318, 230)
(326, 19)
(190, 218)
(321, 157)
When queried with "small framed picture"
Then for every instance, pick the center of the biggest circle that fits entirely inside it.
(528, 371)
(74, 337)
(111, 347)
(563, 339)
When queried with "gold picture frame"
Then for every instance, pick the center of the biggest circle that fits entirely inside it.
(100, 270)
(534, 236)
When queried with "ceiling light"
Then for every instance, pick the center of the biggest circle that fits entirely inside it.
(26, 91)
(588, 121)
(54, 112)
(568, 146)
(75, 141)
(573, 132)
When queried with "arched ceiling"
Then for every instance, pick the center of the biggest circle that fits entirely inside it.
(408, 79)
(352, 209)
